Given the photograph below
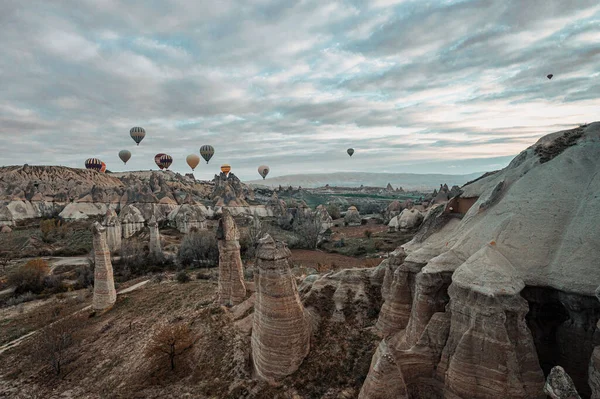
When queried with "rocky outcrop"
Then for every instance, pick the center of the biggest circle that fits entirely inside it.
(352, 217)
(392, 210)
(232, 289)
(188, 217)
(5, 229)
(6, 217)
(131, 220)
(409, 219)
(278, 206)
(105, 295)
(113, 230)
(228, 191)
(324, 217)
(154, 247)
(280, 330)
(594, 366)
(559, 385)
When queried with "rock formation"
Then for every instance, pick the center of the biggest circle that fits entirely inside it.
(105, 295)
(232, 289)
(5, 229)
(559, 385)
(393, 209)
(228, 191)
(187, 217)
(131, 220)
(113, 231)
(594, 366)
(324, 217)
(409, 219)
(278, 206)
(280, 330)
(154, 247)
(352, 217)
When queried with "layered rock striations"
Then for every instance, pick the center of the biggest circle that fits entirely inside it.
(131, 220)
(113, 230)
(105, 295)
(228, 191)
(280, 331)
(232, 289)
(188, 217)
(154, 246)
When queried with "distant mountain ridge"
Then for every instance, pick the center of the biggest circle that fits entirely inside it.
(408, 181)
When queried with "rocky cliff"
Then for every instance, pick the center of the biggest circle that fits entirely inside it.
(497, 286)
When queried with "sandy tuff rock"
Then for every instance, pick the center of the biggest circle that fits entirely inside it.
(228, 191)
(187, 217)
(352, 217)
(104, 285)
(409, 219)
(326, 220)
(154, 244)
(559, 385)
(280, 331)
(392, 210)
(231, 275)
(5, 229)
(113, 230)
(131, 220)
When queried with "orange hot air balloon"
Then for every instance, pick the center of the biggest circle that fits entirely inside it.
(225, 168)
(192, 160)
(103, 168)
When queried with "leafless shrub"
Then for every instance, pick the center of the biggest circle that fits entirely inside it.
(199, 248)
(170, 341)
(308, 227)
(51, 345)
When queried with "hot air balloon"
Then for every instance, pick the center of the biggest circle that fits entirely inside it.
(350, 151)
(137, 134)
(192, 160)
(549, 76)
(263, 170)
(94, 164)
(166, 161)
(225, 168)
(157, 160)
(103, 168)
(125, 156)
(207, 151)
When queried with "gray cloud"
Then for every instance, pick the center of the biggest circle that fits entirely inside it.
(294, 83)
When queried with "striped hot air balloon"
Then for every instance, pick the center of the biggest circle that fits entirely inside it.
(157, 160)
(137, 134)
(263, 170)
(166, 161)
(207, 151)
(93, 164)
(225, 168)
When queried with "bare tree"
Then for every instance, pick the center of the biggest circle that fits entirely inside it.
(256, 231)
(170, 340)
(308, 227)
(52, 343)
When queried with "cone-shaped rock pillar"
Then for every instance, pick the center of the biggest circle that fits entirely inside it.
(113, 230)
(104, 284)
(280, 330)
(232, 289)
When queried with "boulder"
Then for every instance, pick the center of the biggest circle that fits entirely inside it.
(5, 229)
(352, 217)
(280, 329)
(559, 385)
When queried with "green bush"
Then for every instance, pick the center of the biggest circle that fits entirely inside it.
(182, 277)
(334, 211)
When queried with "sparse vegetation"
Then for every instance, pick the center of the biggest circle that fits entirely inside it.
(308, 227)
(368, 234)
(29, 277)
(199, 248)
(334, 211)
(51, 345)
(182, 277)
(170, 341)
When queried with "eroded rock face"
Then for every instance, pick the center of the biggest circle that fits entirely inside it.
(352, 217)
(154, 244)
(489, 352)
(559, 385)
(131, 220)
(105, 295)
(188, 217)
(280, 330)
(232, 289)
(113, 230)
(228, 191)
(323, 216)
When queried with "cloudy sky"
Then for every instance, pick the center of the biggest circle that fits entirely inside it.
(414, 86)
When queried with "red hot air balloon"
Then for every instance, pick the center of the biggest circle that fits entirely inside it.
(157, 160)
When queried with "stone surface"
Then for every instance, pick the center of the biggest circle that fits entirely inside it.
(594, 372)
(131, 220)
(231, 274)
(5, 229)
(352, 217)
(113, 230)
(188, 217)
(105, 295)
(154, 246)
(324, 217)
(228, 191)
(559, 385)
(280, 331)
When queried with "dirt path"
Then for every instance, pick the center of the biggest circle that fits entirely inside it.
(18, 341)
